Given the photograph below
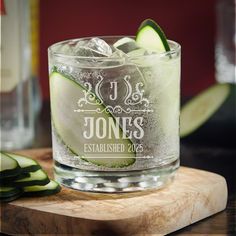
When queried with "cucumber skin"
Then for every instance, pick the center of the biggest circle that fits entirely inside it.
(27, 169)
(11, 193)
(32, 168)
(157, 28)
(131, 162)
(220, 129)
(7, 180)
(10, 173)
(10, 199)
(18, 192)
(27, 183)
(43, 192)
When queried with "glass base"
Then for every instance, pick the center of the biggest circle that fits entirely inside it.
(113, 181)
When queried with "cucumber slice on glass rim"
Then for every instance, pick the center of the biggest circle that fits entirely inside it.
(8, 166)
(151, 37)
(202, 107)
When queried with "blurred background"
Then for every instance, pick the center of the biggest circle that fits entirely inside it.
(204, 28)
(192, 24)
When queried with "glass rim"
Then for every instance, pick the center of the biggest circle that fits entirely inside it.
(174, 49)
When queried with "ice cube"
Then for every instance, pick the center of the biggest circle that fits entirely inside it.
(126, 45)
(137, 52)
(130, 47)
(117, 58)
(64, 48)
(94, 47)
(118, 54)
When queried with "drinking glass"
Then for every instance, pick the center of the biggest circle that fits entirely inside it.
(225, 57)
(115, 116)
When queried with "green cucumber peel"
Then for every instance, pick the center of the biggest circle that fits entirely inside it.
(27, 164)
(151, 37)
(8, 166)
(38, 191)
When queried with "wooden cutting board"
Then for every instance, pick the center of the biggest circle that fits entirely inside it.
(193, 195)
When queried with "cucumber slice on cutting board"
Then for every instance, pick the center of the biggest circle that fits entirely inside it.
(5, 181)
(69, 125)
(38, 177)
(10, 199)
(199, 109)
(6, 192)
(26, 164)
(151, 37)
(35, 191)
(8, 166)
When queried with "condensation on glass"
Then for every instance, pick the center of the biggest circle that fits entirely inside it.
(115, 116)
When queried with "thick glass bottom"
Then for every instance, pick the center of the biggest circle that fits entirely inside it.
(113, 181)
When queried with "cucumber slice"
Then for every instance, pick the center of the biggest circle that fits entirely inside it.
(199, 109)
(26, 164)
(35, 191)
(8, 166)
(5, 181)
(6, 192)
(151, 37)
(126, 44)
(69, 125)
(11, 198)
(38, 177)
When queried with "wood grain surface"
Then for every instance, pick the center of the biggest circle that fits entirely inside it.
(192, 196)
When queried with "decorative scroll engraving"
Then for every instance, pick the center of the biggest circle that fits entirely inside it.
(133, 97)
